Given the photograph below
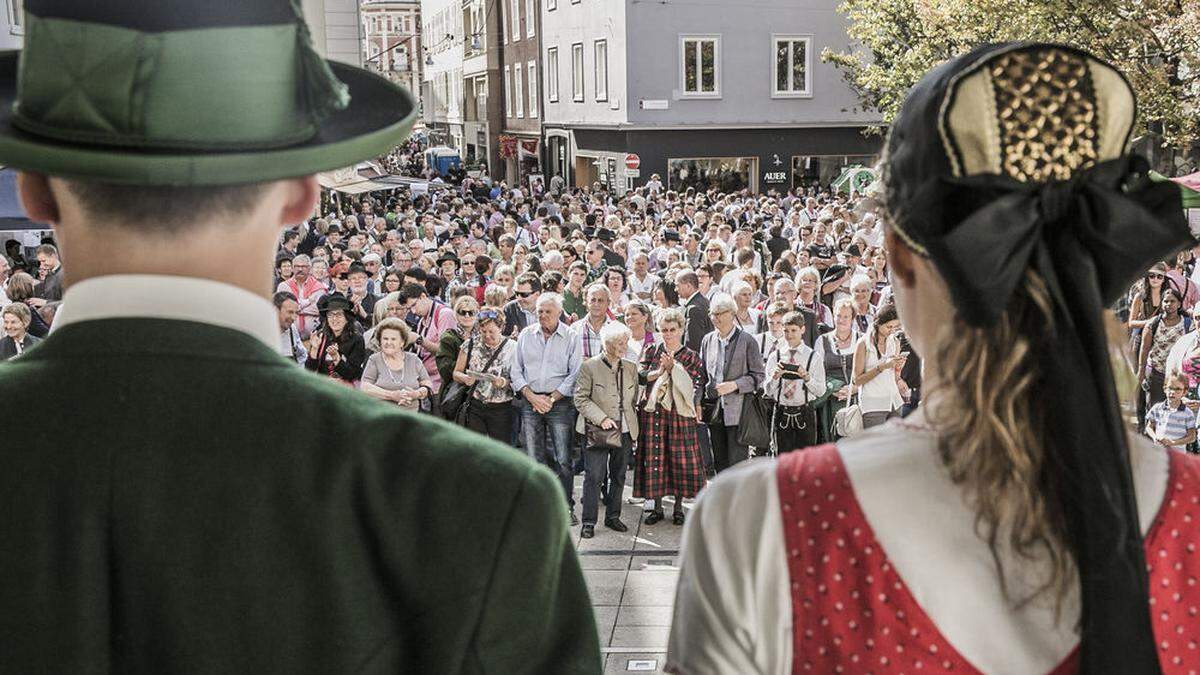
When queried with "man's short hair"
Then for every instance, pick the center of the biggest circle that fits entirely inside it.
(164, 208)
(578, 265)
(688, 277)
(19, 310)
(550, 299)
(411, 291)
(46, 249)
(531, 278)
(282, 297)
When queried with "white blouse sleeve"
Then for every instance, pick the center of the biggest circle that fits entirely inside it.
(732, 604)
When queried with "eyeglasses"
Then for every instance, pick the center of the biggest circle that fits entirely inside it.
(466, 312)
(1155, 275)
(524, 294)
(343, 277)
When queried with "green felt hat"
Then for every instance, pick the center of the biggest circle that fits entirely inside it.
(181, 92)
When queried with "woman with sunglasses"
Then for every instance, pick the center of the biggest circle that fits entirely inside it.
(465, 310)
(484, 364)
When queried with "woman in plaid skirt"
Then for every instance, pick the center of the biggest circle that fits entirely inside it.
(668, 455)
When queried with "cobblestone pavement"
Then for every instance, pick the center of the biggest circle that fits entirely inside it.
(632, 578)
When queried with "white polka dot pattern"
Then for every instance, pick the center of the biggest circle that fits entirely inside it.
(852, 613)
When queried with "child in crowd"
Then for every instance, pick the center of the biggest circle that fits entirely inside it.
(1170, 422)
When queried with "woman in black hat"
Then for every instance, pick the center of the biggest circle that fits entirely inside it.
(1012, 523)
(337, 349)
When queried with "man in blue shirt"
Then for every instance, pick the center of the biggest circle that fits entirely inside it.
(543, 373)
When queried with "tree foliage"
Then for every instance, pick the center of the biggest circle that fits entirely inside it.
(1156, 43)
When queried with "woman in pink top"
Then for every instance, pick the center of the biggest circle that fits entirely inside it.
(1011, 524)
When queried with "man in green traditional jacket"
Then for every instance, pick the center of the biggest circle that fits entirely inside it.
(179, 497)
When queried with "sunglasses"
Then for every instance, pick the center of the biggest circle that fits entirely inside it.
(343, 277)
(1155, 275)
(524, 294)
(466, 312)
(486, 314)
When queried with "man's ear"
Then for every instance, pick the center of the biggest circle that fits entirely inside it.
(37, 198)
(301, 199)
(901, 259)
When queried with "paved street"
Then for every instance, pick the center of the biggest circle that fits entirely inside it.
(631, 577)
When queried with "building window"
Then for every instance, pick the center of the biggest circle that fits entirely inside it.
(552, 74)
(518, 90)
(700, 66)
(508, 107)
(601, 70)
(727, 174)
(533, 89)
(551, 5)
(530, 13)
(515, 13)
(792, 75)
(577, 71)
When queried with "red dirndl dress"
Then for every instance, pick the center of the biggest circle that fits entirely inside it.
(853, 613)
(668, 451)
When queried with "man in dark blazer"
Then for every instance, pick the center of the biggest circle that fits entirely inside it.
(695, 308)
(186, 500)
(16, 326)
(521, 311)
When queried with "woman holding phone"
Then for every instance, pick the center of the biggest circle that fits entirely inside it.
(877, 359)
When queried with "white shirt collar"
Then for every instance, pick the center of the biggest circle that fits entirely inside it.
(154, 296)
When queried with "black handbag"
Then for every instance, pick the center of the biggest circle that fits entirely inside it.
(756, 426)
(461, 402)
(457, 393)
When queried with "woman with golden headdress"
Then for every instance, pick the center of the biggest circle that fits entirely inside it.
(1011, 524)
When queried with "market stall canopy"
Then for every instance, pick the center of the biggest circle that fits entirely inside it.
(354, 180)
(1189, 184)
(856, 178)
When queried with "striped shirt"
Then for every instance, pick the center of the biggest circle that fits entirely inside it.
(1170, 423)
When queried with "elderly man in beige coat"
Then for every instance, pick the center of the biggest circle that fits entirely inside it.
(605, 395)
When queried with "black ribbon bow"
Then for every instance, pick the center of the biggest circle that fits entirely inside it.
(1088, 238)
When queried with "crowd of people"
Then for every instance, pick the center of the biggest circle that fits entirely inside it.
(720, 303)
(599, 332)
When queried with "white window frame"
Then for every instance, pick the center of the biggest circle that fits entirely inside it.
(530, 13)
(519, 90)
(533, 89)
(577, 80)
(551, 5)
(504, 21)
(515, 11)
(552, 74)
(508, 107)
(808, 62)
(600, 69)
(684, 38)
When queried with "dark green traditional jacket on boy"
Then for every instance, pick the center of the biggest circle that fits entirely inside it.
(177, 497)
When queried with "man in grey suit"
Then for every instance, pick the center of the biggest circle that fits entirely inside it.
(735, 369)
(605, 395)
(695, 309)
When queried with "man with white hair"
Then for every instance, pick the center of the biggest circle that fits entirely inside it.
(307, 290)
(605, 393)
(588, 329)
(543, 373)
(641, 281)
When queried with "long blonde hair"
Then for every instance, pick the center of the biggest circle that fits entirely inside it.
(992, 426)
(993, 435)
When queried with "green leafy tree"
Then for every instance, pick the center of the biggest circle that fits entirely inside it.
(1156, 43)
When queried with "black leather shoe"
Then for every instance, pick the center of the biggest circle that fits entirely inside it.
(654, 517)
(677, 518)
(616, 525)
(589, 531)
(574, 519)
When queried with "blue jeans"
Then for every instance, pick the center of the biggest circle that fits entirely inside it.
(553, 448)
